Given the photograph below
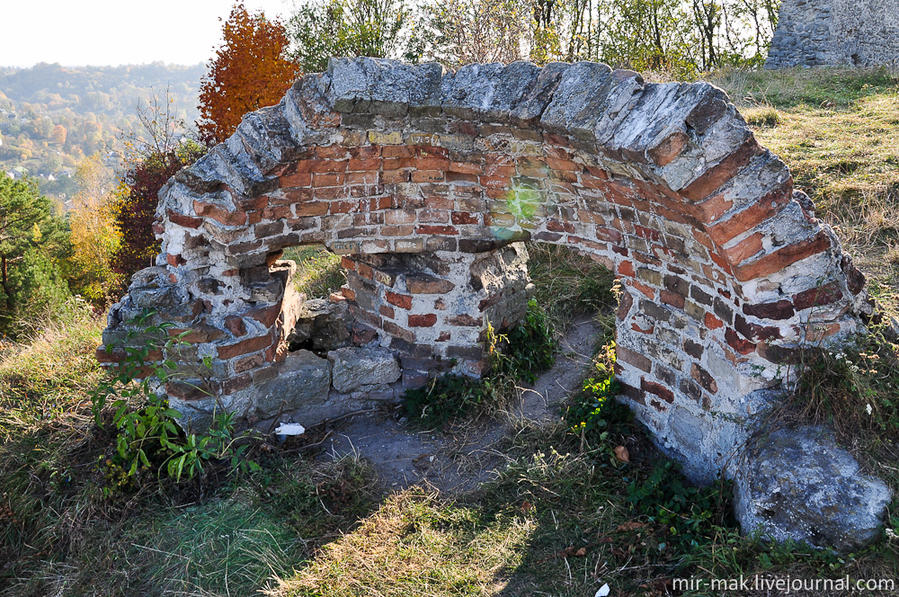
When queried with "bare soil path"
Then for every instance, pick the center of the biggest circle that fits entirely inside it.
(459, 460)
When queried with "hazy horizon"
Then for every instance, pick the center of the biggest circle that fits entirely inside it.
(103, 33)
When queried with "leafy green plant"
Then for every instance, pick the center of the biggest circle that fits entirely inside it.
(687, 514)
(146, 431)
(447, 397)
(526, 350)
(594, 411)
(518, 355)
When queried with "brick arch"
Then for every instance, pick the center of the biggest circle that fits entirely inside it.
(425, 181)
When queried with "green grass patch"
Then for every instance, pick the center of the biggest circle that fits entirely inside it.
(815, 87)
(569, 284)
(318, 271)
(517, 355)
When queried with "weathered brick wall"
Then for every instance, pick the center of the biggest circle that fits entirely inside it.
(836, 33)
(423, 180)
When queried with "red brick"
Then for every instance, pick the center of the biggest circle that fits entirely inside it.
(399, 216)
(465, 167)
(647, 290)
(818, 296)
(219, 214)
(396, 151)
(434, 216)
(174, 260)
(395, 176)
(626, 268)
(648, 233)
(749, 218)
(331, 152)
(608, 234)
(719, 174)
(183, 220)
(672, 298)
(463, 217)
(235, 325)
(712, 322)
(780, 259)
(782, 309)
(244, 346)
(648, 330)
(657, 389)
(669, 148)
(343, 207)
(386, 311)
(356, 165)
(267, 316)
(427, 175)
(406, 230)
(328, 165)
(446, 230)
(328, 179)
(248, 363)
(740, 345)
(297, 179)
(703, 378)
(744, 249)
(422, 321)
(312, 208)
(423, 284)
(403, 301)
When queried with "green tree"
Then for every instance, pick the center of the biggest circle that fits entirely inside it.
(33, 241)
(468, 31)
(376, 28)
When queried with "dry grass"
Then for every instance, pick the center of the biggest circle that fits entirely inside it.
(318, 271)
(415, 544)
(838, 131)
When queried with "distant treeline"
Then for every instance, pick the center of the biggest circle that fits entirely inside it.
(52, 117)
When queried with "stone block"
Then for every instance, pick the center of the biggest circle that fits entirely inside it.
(303, 379)
(357, 368)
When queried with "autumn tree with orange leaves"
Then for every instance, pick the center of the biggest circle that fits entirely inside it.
(250, 70)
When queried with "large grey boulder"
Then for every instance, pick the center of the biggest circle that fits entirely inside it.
(303, 380)
(798, 484)
(362, 368)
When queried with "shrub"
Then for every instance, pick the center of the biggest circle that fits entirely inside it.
(146, 431)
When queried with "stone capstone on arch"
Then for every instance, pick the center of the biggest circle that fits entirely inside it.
(426, 182)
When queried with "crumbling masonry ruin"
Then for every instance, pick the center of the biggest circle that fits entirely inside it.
(836, 33)
(426, 182)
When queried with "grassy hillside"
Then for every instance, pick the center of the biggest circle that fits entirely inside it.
(564, 516)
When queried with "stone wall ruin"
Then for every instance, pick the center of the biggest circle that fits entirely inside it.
(426, 182)
(836, 33)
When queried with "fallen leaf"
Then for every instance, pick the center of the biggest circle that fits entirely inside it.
(632, 525)
(526, 506)
(622, 454)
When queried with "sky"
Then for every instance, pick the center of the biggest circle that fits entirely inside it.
(114, 32)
